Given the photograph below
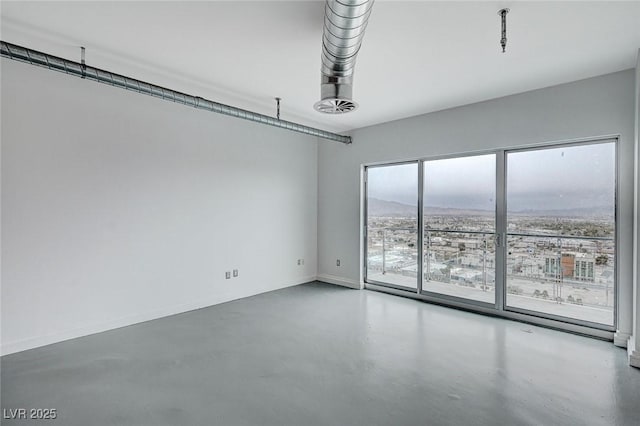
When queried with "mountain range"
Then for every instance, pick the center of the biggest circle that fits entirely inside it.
(384, 208)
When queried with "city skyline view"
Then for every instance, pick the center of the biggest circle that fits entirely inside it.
(594, 211)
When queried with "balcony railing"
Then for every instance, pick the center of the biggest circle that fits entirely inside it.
(459, 258)
(562, 275)
(540, 269)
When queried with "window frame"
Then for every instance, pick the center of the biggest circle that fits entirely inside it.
(499, 308)
(366, 223)
(616, 237)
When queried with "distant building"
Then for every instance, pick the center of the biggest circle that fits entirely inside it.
(550, 266)
(568, 263)
(584, 265)
(579, 266)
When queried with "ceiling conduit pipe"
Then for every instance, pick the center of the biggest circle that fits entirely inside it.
(87, 72)
(344, 24)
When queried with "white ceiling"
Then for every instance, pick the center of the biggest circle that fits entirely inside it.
(417, 57)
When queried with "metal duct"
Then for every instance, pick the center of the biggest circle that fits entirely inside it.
(344, 24)
(82, 70)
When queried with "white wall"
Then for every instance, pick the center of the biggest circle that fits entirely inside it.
(119, 208)
(598, 106)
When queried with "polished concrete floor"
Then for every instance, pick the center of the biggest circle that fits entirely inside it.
(318, 354)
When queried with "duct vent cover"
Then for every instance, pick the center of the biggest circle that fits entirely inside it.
(335, 106)
(344, 25)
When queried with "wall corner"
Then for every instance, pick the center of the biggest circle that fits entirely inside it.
(621, 339)
(633, 345)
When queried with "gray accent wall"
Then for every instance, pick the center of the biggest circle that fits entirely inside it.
(597, 106)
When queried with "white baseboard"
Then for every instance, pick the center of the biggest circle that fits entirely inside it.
(634, 353)
(344, 282)
(38, 341)
(620, 338)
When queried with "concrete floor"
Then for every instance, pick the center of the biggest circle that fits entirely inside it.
(318, 354)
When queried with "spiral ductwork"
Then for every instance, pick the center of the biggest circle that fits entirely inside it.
(344, 24)
(82, 70)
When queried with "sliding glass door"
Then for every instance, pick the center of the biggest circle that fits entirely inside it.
(561, 232)
(392, 225)
(530, 231)
(459, 227)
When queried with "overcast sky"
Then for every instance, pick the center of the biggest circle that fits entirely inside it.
(558, 178)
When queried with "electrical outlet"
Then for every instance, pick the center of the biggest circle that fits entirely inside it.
(338, 262)
(227, 275)
(235, 272)
(299, 262)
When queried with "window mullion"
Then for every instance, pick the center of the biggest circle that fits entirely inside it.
(420, 266)
(501, 229)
